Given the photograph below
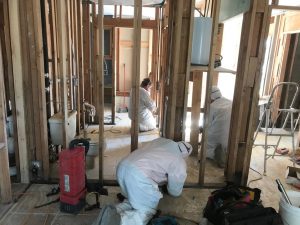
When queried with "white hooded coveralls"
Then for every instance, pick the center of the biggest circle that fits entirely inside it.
(219, 123)
(140, 174)
(146, 107)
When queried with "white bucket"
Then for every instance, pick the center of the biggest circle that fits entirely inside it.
(290, 214)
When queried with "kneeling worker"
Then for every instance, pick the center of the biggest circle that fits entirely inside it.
(146, 107)
(140, 174)
(218, 127)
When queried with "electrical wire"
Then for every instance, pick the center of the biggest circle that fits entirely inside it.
(256, 179)
(114, 131)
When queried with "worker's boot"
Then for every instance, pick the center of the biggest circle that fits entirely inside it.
(220, 156)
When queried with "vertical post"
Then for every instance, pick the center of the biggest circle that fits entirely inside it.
(137, 24)
(86, 51)
(245, 100)
(100, 88)
(173, 74)
(11, 80)
(195, 115)
(80, 57)
(209, 80)
(5, 185)
(18, 70)
(62, 44)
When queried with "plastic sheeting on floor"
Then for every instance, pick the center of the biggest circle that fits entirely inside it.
(108, 216)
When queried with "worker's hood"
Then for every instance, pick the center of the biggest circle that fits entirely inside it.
(215, 93)
(184, 148)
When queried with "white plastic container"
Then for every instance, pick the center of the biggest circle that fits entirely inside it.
(201, 40)
(10, 145)
(290, 213)
(93, 153)
(10, 126)
(56, 127)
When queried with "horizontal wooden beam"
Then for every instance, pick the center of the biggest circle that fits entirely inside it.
(122, 93)
(292, 23)
(118, 22)
(285, 7)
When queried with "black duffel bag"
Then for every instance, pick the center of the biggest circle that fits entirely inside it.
(235, 205)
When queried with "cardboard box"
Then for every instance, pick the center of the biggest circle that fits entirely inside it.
(292, 175)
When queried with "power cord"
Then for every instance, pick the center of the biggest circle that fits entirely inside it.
(114, 131)
(256, 179)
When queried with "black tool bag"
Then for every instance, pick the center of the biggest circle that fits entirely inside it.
(255, 215)
(237, 205)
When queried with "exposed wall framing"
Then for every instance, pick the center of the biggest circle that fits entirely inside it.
(254, 33)
(5, 187)
(8, 74)
(137, 26)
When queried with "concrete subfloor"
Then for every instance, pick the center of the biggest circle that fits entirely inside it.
(187, 208)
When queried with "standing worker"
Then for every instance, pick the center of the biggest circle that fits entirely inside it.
(140, 174)
(146, 107)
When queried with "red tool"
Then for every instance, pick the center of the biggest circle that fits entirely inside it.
(72, 179)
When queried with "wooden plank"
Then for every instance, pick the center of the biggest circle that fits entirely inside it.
(11, 81)
(272, 54)
(238, 104)
(15, 33)
(62, 45)
(69, 74)
(252, 71)
(291, 23)
(40, 78)
(196, 109)
(100, 88)
(119, 22)
(136, 73)
(285, 7)
(154, 43)
(171, 104)
(184, 68)
(86, 52)
(246, 98)
(32, 112)
(159, 56)
(54, 53)
(216, 10)
(94, 43)
(27, 80)
(261, 45)
(5, 185)
(113, 80)
(80, 61)
(117, 59)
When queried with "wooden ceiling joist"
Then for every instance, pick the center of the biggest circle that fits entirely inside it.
(120, 22)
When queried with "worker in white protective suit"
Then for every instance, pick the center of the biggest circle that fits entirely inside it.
(140, 174)
(218, 127)
(146, 107)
